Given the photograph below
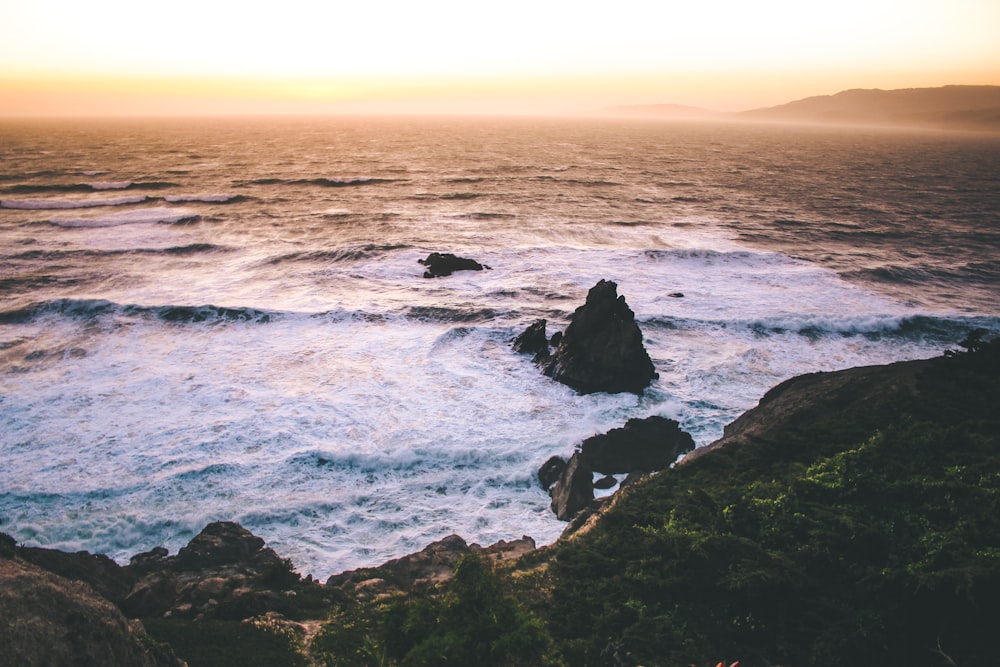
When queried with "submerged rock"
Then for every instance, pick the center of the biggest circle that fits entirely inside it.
(601, 349)
(441, 264)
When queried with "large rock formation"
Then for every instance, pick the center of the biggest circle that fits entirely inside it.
(641, 446)
(601, 349)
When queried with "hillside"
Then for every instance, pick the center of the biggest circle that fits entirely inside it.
(951, 107)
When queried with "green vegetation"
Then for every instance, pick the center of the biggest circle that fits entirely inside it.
(806, 549)
(254, 643)
(474, 622)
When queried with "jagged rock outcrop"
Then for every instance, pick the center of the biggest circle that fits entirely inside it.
(534, 341)
(440, 264)
(641, 446)
(601, 349)
(224, 572)
(46, 619)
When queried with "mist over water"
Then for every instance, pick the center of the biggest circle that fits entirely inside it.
(226, 319)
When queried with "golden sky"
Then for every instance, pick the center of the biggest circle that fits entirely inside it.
(63, 57)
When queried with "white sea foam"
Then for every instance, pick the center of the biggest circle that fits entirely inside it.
(53, 204)
(138, 216)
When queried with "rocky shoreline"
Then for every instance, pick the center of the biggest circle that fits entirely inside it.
(82, 608)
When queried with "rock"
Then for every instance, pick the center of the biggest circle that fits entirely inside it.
(574, 489)
(444, 264)
(549, 473)
(606, 482)
(645, 445)
(601, 349)
(220, 543)
(105, 576)
(51, 620)
(534, 341)
(224, 572)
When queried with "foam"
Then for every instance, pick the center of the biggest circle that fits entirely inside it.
(138, 216)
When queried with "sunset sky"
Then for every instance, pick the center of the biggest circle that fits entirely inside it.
(519, 56)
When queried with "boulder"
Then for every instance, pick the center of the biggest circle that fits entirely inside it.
(574, 489)
(643, 445)
(601, 349)
(441, 264)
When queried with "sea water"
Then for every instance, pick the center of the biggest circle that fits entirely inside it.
(225, 319)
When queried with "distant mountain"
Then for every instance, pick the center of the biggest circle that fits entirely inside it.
(669, 111)
(952, 107)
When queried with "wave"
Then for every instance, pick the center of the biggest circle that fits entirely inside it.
(91, 309)
(222, 198)
(322, 182)
(36, 188)
(53, 255)
(58, 204)
(343, 254)
(932, 328)
(911, 275)
(445, 314)
(139, 216)
(482, 215)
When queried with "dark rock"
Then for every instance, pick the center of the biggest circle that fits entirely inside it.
(8, 546)
(676, 295)
(224, 572)
(549, 473)
(444, 264)
(574, 489)
(51, 620)
(606, 482)
(431, 565)
(647, 444)
(104, 575)
(556, 339)
(219, 543)
(602, 349)
(534, 341)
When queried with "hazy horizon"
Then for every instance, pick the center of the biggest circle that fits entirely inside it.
(110, 58)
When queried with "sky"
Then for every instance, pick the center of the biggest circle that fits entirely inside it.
(118, 57)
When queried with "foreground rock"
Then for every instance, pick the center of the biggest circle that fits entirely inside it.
(432, 566)
(601, 349)
(440, 264)
(51, 620)
(641, 446)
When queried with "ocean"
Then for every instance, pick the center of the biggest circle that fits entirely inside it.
(225, 319)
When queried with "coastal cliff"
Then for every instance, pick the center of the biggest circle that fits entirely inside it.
(852, 517)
